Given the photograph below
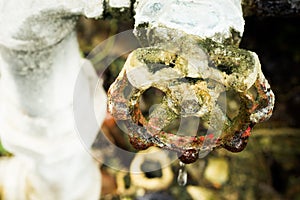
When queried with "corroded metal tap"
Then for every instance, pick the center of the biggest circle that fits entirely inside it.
(194, 70)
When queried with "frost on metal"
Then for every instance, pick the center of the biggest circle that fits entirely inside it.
(218, 19)
(119, 3)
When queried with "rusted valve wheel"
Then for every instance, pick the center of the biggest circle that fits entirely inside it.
(188, 94)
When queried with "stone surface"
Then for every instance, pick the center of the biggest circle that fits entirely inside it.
(41, 67)
(24, 29)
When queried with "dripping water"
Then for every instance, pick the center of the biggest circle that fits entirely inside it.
(182, 174)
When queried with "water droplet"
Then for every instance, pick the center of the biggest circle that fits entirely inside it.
(182, 175)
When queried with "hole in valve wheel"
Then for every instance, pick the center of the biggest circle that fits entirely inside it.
(149, 100)
(148, 166)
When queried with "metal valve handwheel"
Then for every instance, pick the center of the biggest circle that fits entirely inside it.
(192, 83)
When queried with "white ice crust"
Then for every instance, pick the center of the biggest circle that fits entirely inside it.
(207, 19)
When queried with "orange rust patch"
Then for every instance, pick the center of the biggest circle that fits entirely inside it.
(247, 132)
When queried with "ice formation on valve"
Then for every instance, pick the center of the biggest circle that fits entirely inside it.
(192, 73)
